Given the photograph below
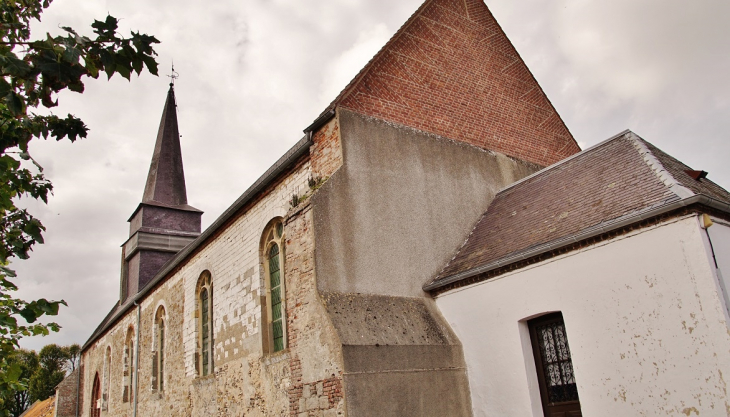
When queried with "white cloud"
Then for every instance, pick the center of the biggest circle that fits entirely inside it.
(345, 67)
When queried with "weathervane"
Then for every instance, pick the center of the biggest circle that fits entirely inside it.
(174, 76)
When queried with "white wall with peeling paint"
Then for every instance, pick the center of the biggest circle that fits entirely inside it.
(719, 236)
(644, 317)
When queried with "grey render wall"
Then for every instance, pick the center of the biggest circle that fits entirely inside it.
(400, 206)
(384, 223)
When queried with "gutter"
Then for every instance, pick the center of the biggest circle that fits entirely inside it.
(320, 121)
(599, 229)
(291, 156)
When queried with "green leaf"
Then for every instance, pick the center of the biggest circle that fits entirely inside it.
(91, 67)
(5, 87)
(15, 103)
(15, 67)
(123, 71)
(151, 64)
(71, 54)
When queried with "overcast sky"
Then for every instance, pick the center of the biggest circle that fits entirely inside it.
(254, 73)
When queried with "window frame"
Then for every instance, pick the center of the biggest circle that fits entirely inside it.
(106, 378)
(571, 406)
(158, 351)
(273, 235)
(96, 400)
(204, 284)
(128, 371)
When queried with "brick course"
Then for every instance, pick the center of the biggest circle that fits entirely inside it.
(450, 70)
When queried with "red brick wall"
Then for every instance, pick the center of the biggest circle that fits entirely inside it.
(326, 149)
(450, 70)
(66, 396)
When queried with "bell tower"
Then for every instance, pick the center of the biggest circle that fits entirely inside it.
(163, 222)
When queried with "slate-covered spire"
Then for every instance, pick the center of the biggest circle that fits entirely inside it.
(166, 178)
(163, 222)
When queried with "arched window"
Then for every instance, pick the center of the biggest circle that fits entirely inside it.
(158, 354)
(106, 377)
(275, 308)
(96, 397)
(128, 393)
(204, 295)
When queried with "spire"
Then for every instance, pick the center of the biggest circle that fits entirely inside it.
(163, 222)
(166, 179)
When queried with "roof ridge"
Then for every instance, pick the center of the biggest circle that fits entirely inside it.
(562, 161)
(657, 167)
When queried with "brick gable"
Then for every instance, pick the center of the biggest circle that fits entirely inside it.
(450, 70)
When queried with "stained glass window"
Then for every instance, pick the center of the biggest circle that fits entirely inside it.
(161, 366)
(274, 309)
(205, 330)
(276, 305)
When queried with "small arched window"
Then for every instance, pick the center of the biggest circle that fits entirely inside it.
(204, 292)
(158, 354)
(106, 377)
(96, 397)
(275, 308)
(128, 392)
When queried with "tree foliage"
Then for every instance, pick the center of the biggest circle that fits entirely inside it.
(44, 371)
(27, 360)
(32, 73)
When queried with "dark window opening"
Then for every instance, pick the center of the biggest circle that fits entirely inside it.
(558, 388)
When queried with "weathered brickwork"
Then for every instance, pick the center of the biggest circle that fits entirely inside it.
(314, 345)
(326, 150)
(245, 380)
(452, 71)
(66, 395)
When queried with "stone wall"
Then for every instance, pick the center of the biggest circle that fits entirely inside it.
(303, 380)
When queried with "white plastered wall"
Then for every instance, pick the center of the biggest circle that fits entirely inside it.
(719, 236)
(645, 322)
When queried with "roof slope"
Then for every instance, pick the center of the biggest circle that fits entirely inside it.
(45, 408)
(450, 70)
(619, 177)
(166, 178)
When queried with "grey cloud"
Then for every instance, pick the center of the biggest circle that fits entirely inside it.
(255, 73)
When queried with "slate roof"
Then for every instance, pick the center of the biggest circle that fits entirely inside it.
(166, 178)
(616, 178)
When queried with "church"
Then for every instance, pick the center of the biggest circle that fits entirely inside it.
(436, 244)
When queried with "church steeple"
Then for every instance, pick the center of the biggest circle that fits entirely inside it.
(166, 179)
(163, 223)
